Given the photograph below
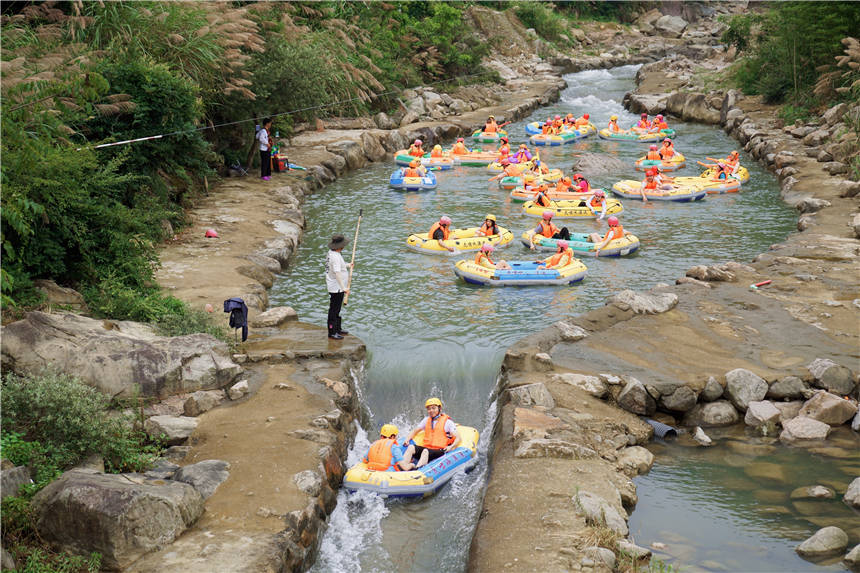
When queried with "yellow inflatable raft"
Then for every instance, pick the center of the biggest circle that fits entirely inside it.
(743, 175)
(571, 209)
(677, 161)
(460, 239)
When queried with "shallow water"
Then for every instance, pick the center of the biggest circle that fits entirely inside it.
(428, 333)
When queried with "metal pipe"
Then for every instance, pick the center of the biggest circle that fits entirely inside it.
(662, 430)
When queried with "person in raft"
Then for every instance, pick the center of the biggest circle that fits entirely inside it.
(336, 277)
(436, 151)
(491, 126)
(581, 183)
(563, 256)
(597, 204)
(643, 122)
(613, 124)
(667, 151)
(265, 147)
(504, 150)
(547, 229)
(653, 153)
(385, 454)
(415, 149)
(489, 227)
(415, 169)
(523, 155)
(482, 259)
(440, 435)
(659, 124)
(616, 231)
(581, 121)
(459, 148)
(440, 231)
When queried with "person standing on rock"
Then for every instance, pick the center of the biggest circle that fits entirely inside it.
(336, 278)
(265, 147)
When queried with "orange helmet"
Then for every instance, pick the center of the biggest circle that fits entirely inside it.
(414, 163)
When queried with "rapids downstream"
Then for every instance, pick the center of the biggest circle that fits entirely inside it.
(429, 334)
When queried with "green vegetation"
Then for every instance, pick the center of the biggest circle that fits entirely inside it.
(52, 422)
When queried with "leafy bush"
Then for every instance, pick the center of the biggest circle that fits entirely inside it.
(540, 16)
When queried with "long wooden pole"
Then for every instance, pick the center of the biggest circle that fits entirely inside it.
(352, 262)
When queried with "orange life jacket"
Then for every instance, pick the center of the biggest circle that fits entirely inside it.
(545, 129)
(667, 152)
(557, 124)
(513, 169)
(644, 124)
(613, 233)
(483, 259)
(595, 202)
(541, 199)
(731, 162)
(410, 172)
(580, 122)
(435, 437)
(651, 184)
(415, 151)
(547, 229)
(561, 186)
(653, 156)
(488, 229)
(613, 126)
(555, 260)
(379, 456)
(661, 125)
(446, 230)
(459, 149)
(504, 150)
(491, 127)
(436, 153)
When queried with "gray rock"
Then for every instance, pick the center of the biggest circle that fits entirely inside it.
(812, 492)
(205, 476)
(713, 390)
(570, 332)
(848, 188)
(855, 224)
(760, 413)
(382, 121)
(645, 303)
(701, 437)
(7, 562)
(824, 542)
(835, 167)
(598, 164)
(601, 555)
(788, 388)
(635, 460)
(120, 358)
(409, 117)
(12, 480)
(268, 263)
(835, 113)
(681, 400)
(631, 550)
(831, 376)
(670, 26)
(712, 415)
(811, 205)
(531, 395)
(61, 296)
(274, 317)
(591, 384)
(162, 469)
(743, 387)
(308, 482)
(852, 494)
(114, 514)
(802, 429)
(852, 558)
(816, 137)
(788, 410)
(635, 398)
(828, 408)
(174, 429)
(238, 390)
(598, 511)
(177, 453)
(553, 448)
(202, 401)
(714, 273)
(855, 423)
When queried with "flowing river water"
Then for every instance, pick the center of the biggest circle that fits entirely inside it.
(429, 334)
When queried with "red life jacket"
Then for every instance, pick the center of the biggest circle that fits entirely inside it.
(651, 184)
(379, 456)
(435, 437)
(446, 230)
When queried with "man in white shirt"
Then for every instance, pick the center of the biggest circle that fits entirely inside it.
(265, 148)
(336, 278)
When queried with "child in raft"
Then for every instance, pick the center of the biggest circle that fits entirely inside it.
(482, 259)
(562, 257)
(616, 231)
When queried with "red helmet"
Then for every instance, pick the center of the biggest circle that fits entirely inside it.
(613, 221)
(659, 116)
(653, 147)
(667, 140)
(652, 171)
(459, 140)
(644, 114)
(585, 116)
(211, 233)
(505, 139)
(577, 176)
(547, 215)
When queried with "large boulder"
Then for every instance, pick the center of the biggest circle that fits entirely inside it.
(635, 398)
(852, 494)
(823, 543)
(788, 388)
(202, 401)
(681, 400)
(590, 384)
(531, 395)
(670, 26)
(599, 512)
(120, 358)
(174, 430)
(828, 408)
(800, 430)
(831, 376)
(121, 516)
(645, 303)
(743, 387)
(205, 476)
(274, 317)
(635, 460)
(712, 415)
(760, 413)
(13, 479)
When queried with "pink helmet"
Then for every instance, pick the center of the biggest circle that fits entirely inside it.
(211, 233)
(547, 215)
(585, 116)
(653, 147)
(659, 116)
(558, 117)
(487, 248)
(613, 221)
(459, 140)
(599, 193)
(667, 140)
(445, 220)
(418, 142)
(562, 244)
(644, 114)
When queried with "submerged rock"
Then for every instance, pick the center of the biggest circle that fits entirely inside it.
(825, 542)
(803, 429)
(701, 437)
(812, 492)
(852, 495)
(712, 414)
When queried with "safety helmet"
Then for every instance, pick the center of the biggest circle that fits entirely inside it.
(211, 233)
(388, 431)
(585, 116)
(487, 248)
(558, 117)
(734, 153)
(433, 402)
(644, 114)
(548, 122)
(667, 140)
(653, 147)
(547, 215)
(562, 244)
(659, 116)
(490, 217)
(613, 221)
(418, 142)
(437, 146)
(459, 140)
(523, 146)
(505, 139)
(414, 163)
(566, 179)
(599, 193)
(614, 117)
(445, 220)
(491, 117)
(577, 176)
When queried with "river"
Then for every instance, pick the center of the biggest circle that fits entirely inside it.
(429, 334)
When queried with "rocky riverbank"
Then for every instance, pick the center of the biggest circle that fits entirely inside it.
(708, 351)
